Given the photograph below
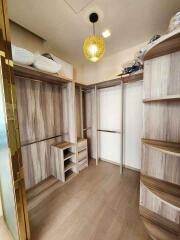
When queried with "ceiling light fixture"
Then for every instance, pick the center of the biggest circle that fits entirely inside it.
(94, 45)
(106, 33)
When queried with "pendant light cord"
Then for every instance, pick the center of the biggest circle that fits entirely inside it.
(93, 29)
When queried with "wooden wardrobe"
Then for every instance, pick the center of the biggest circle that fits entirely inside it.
(160, 169)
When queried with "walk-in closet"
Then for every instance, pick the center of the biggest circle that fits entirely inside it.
(90, 120)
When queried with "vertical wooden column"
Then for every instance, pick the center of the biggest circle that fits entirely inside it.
(81, 112)
(122, 127)
(10, 150)
(96, 125)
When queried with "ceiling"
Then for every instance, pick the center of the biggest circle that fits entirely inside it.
(64, 23)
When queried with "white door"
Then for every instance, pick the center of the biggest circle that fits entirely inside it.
(132, 124)
(109, 124)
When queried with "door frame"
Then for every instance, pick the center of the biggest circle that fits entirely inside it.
(12, 125)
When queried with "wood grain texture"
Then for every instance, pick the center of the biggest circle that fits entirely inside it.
(35, 74)
(161, 222)
(90, 207)
(168, 192)
(37, 161)
(155, 204)
(160, 165)
(40, 110)
(162, 121)
(43, 115)
(170, 43)
(78, 112)
(165, 147)
(162, 76)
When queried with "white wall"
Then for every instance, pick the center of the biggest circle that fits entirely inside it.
(0, 208)
(133, 113)
(107, 68)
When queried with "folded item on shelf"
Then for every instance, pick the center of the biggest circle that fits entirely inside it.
(46, 64)
(132, 66)
(174, 22)
(22, 56)
(67, 68)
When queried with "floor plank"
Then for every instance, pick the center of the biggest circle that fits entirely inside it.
(98, 204)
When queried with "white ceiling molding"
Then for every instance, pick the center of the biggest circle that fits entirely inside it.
(78, 5)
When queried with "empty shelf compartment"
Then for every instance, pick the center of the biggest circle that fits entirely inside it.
(69, 174)
(68, 154)
(68, 165)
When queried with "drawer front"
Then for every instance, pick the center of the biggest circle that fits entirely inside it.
(83, 164)
(82, 145)
(82, 155)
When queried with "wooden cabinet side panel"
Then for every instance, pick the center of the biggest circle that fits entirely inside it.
(162, 121)
(162, 76)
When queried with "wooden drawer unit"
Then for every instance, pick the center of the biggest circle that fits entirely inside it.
(82, 154)
(81, 144)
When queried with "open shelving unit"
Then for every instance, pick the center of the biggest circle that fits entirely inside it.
(65, 160)
(160, 188)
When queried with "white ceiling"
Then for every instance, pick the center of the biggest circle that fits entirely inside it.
(64, 23)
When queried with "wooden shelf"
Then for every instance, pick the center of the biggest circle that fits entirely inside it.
(68, 155)
(165, 147)
(168, 192)
(64, 145)
(167, 44)
(159, 227)
(28, 72)
(164, 98)
(69, 166)
(69, 174)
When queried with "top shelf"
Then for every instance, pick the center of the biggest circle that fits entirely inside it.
(35, 74)
(164, 98)
(165, 147)
(63, 145)
(167, 44)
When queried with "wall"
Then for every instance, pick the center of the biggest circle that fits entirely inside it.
(0, 208)
(107, 68)
(25, 39)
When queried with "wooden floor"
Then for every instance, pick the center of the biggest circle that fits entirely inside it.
(98, 204)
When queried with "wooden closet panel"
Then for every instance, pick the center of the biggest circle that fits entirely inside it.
(78, 113)
(159, 165)
(162, 76)
(162, 121)
(65, 113)
(155, 204)
(37, 161)
(39, 110)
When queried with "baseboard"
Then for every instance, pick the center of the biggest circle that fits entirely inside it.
(117, 164)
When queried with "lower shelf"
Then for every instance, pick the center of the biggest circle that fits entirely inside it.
(158, 227)
(168, 192)
(69, 174)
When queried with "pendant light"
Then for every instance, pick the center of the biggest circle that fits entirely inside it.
(94, 45)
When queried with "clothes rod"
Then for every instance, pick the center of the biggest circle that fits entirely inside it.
(101, 130)
(85, 129)
(45, 139)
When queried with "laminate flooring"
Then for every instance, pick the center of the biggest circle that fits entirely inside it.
(97, 204)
